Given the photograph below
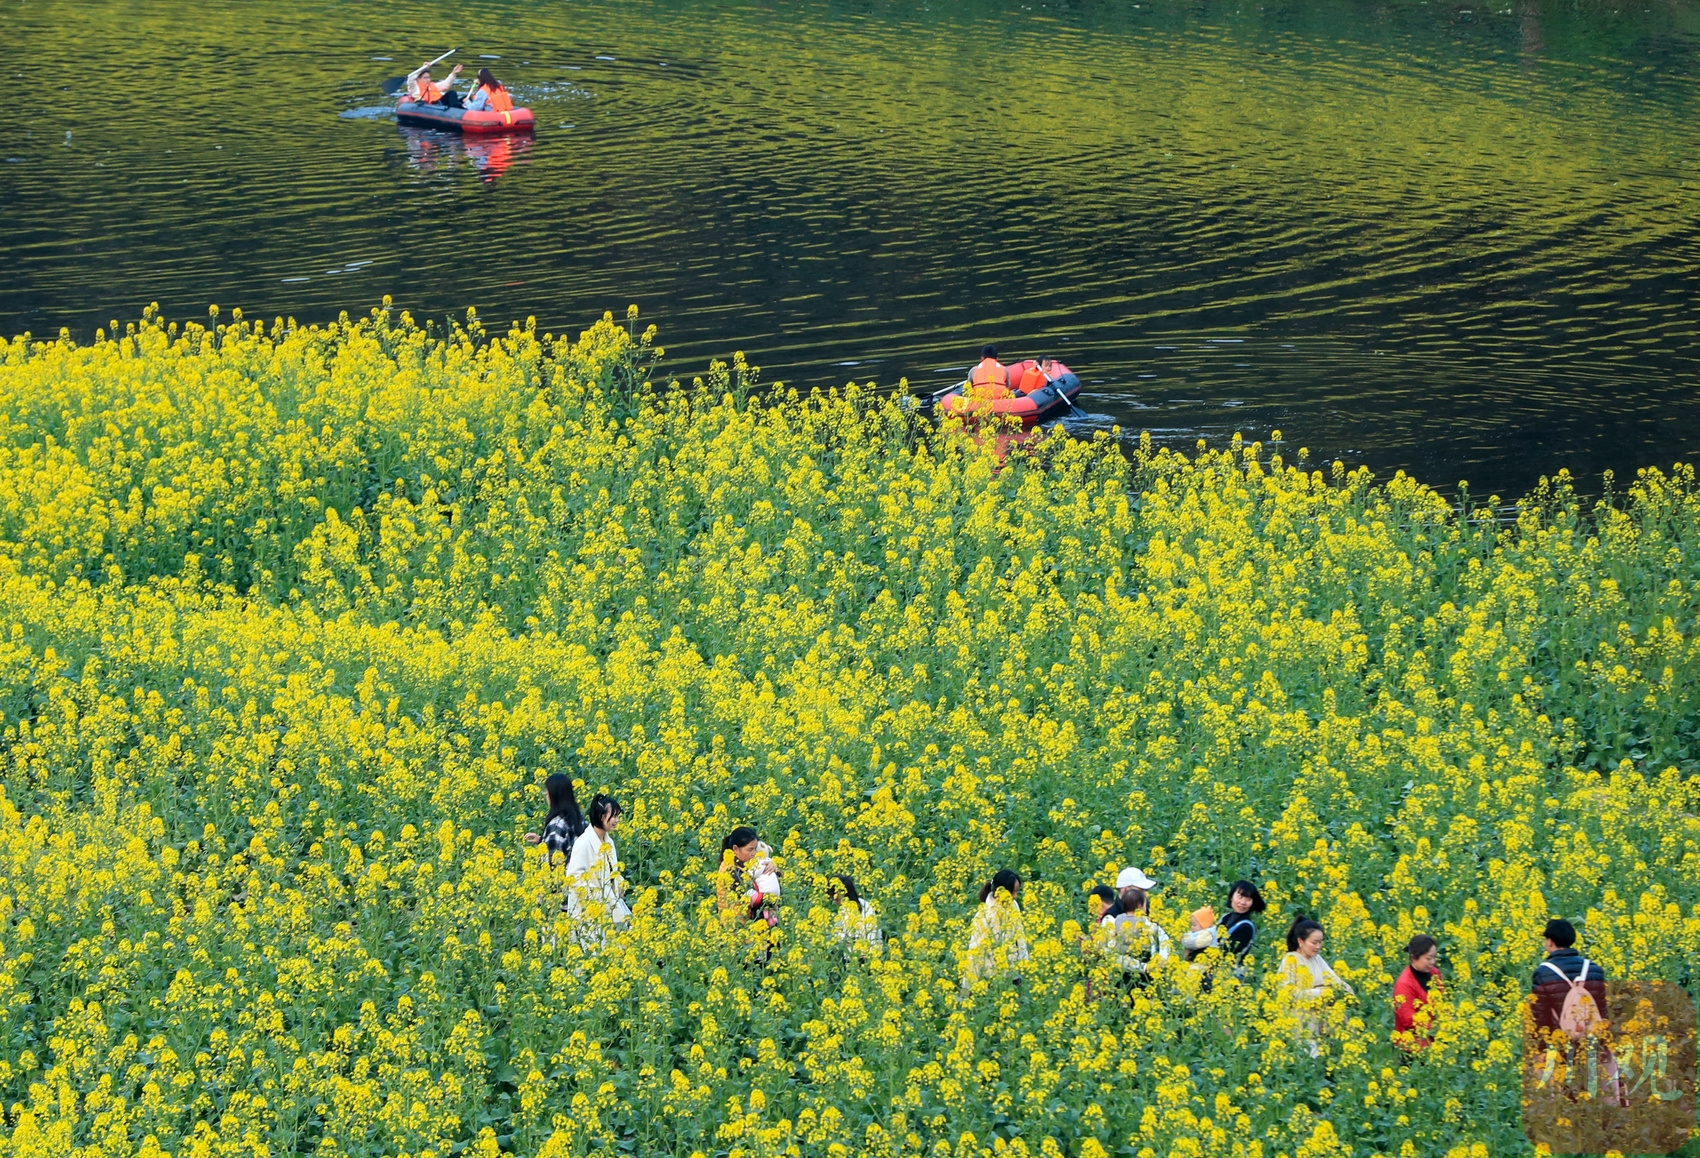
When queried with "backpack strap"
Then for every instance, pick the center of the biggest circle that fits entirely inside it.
(1574, 982)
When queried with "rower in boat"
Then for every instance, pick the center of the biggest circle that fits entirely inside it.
(425, 91)
(990, 379)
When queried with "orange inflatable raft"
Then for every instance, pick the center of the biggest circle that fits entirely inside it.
(410, 112)
(1051, 400)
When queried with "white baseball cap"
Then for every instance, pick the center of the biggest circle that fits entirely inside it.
(1132, 878)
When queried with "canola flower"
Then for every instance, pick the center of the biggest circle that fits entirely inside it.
(297, 618)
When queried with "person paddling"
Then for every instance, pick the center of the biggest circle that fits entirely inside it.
(1037, 376)
(490, 95)
(425, 91)
(990, 378)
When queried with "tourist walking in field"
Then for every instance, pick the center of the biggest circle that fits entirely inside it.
(752, 888)
(1238, 929)
(857, 924)
(1132, 938)
(1128, 878)
(595, 888)
(1099, 900)
(1234, 932)
(1308, 982)
(1568, 991)
(564, 824)
(1568, 999)
(997, 940)
(1414, 992)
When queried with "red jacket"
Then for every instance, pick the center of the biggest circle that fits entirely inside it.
(1409, 997)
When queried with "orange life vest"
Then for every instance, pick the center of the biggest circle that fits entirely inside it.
(429, 94)
(500, 101)
(990, 379)
(1033, 380)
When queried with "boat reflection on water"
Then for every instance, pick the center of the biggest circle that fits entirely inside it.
(440, 153)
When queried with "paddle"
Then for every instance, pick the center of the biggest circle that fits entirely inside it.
(396, 83)
(1073, 410)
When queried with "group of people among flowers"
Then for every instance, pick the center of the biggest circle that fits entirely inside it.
(1123, 932)
(595, 895)
(592, 863)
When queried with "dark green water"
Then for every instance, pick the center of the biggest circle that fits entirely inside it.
(1457, 239)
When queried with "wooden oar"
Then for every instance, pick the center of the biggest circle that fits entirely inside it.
(396, 83)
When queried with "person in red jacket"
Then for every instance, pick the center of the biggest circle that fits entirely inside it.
(1418, 985)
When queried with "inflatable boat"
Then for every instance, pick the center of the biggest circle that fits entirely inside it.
(1052, 400)
(411, 112)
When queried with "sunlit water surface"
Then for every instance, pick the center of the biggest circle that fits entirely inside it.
(1455, 239)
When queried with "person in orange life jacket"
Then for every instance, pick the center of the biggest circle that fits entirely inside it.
(1413, 1020)
(1551, 984)
(490, 95)
(425, 91)
(989, 379)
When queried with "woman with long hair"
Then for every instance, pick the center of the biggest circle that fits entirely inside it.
(997, 940)
(1309, 982)
(489, 95)
(564, 824)
(857, 924)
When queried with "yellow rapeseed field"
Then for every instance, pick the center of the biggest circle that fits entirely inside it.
(296, 620)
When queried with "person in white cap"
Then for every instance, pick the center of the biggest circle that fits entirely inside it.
(1128, 878)
(1136, 941)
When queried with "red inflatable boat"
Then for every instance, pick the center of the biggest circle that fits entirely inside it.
(1056, 397)
(410, 112)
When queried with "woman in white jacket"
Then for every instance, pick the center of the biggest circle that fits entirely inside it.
(596, 891)
(1309, 984)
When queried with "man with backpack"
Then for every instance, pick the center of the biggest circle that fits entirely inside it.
(1568, 990)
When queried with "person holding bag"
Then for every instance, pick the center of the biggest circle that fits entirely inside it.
(754, 877)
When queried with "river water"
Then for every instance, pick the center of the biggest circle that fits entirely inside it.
(1457, 239)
